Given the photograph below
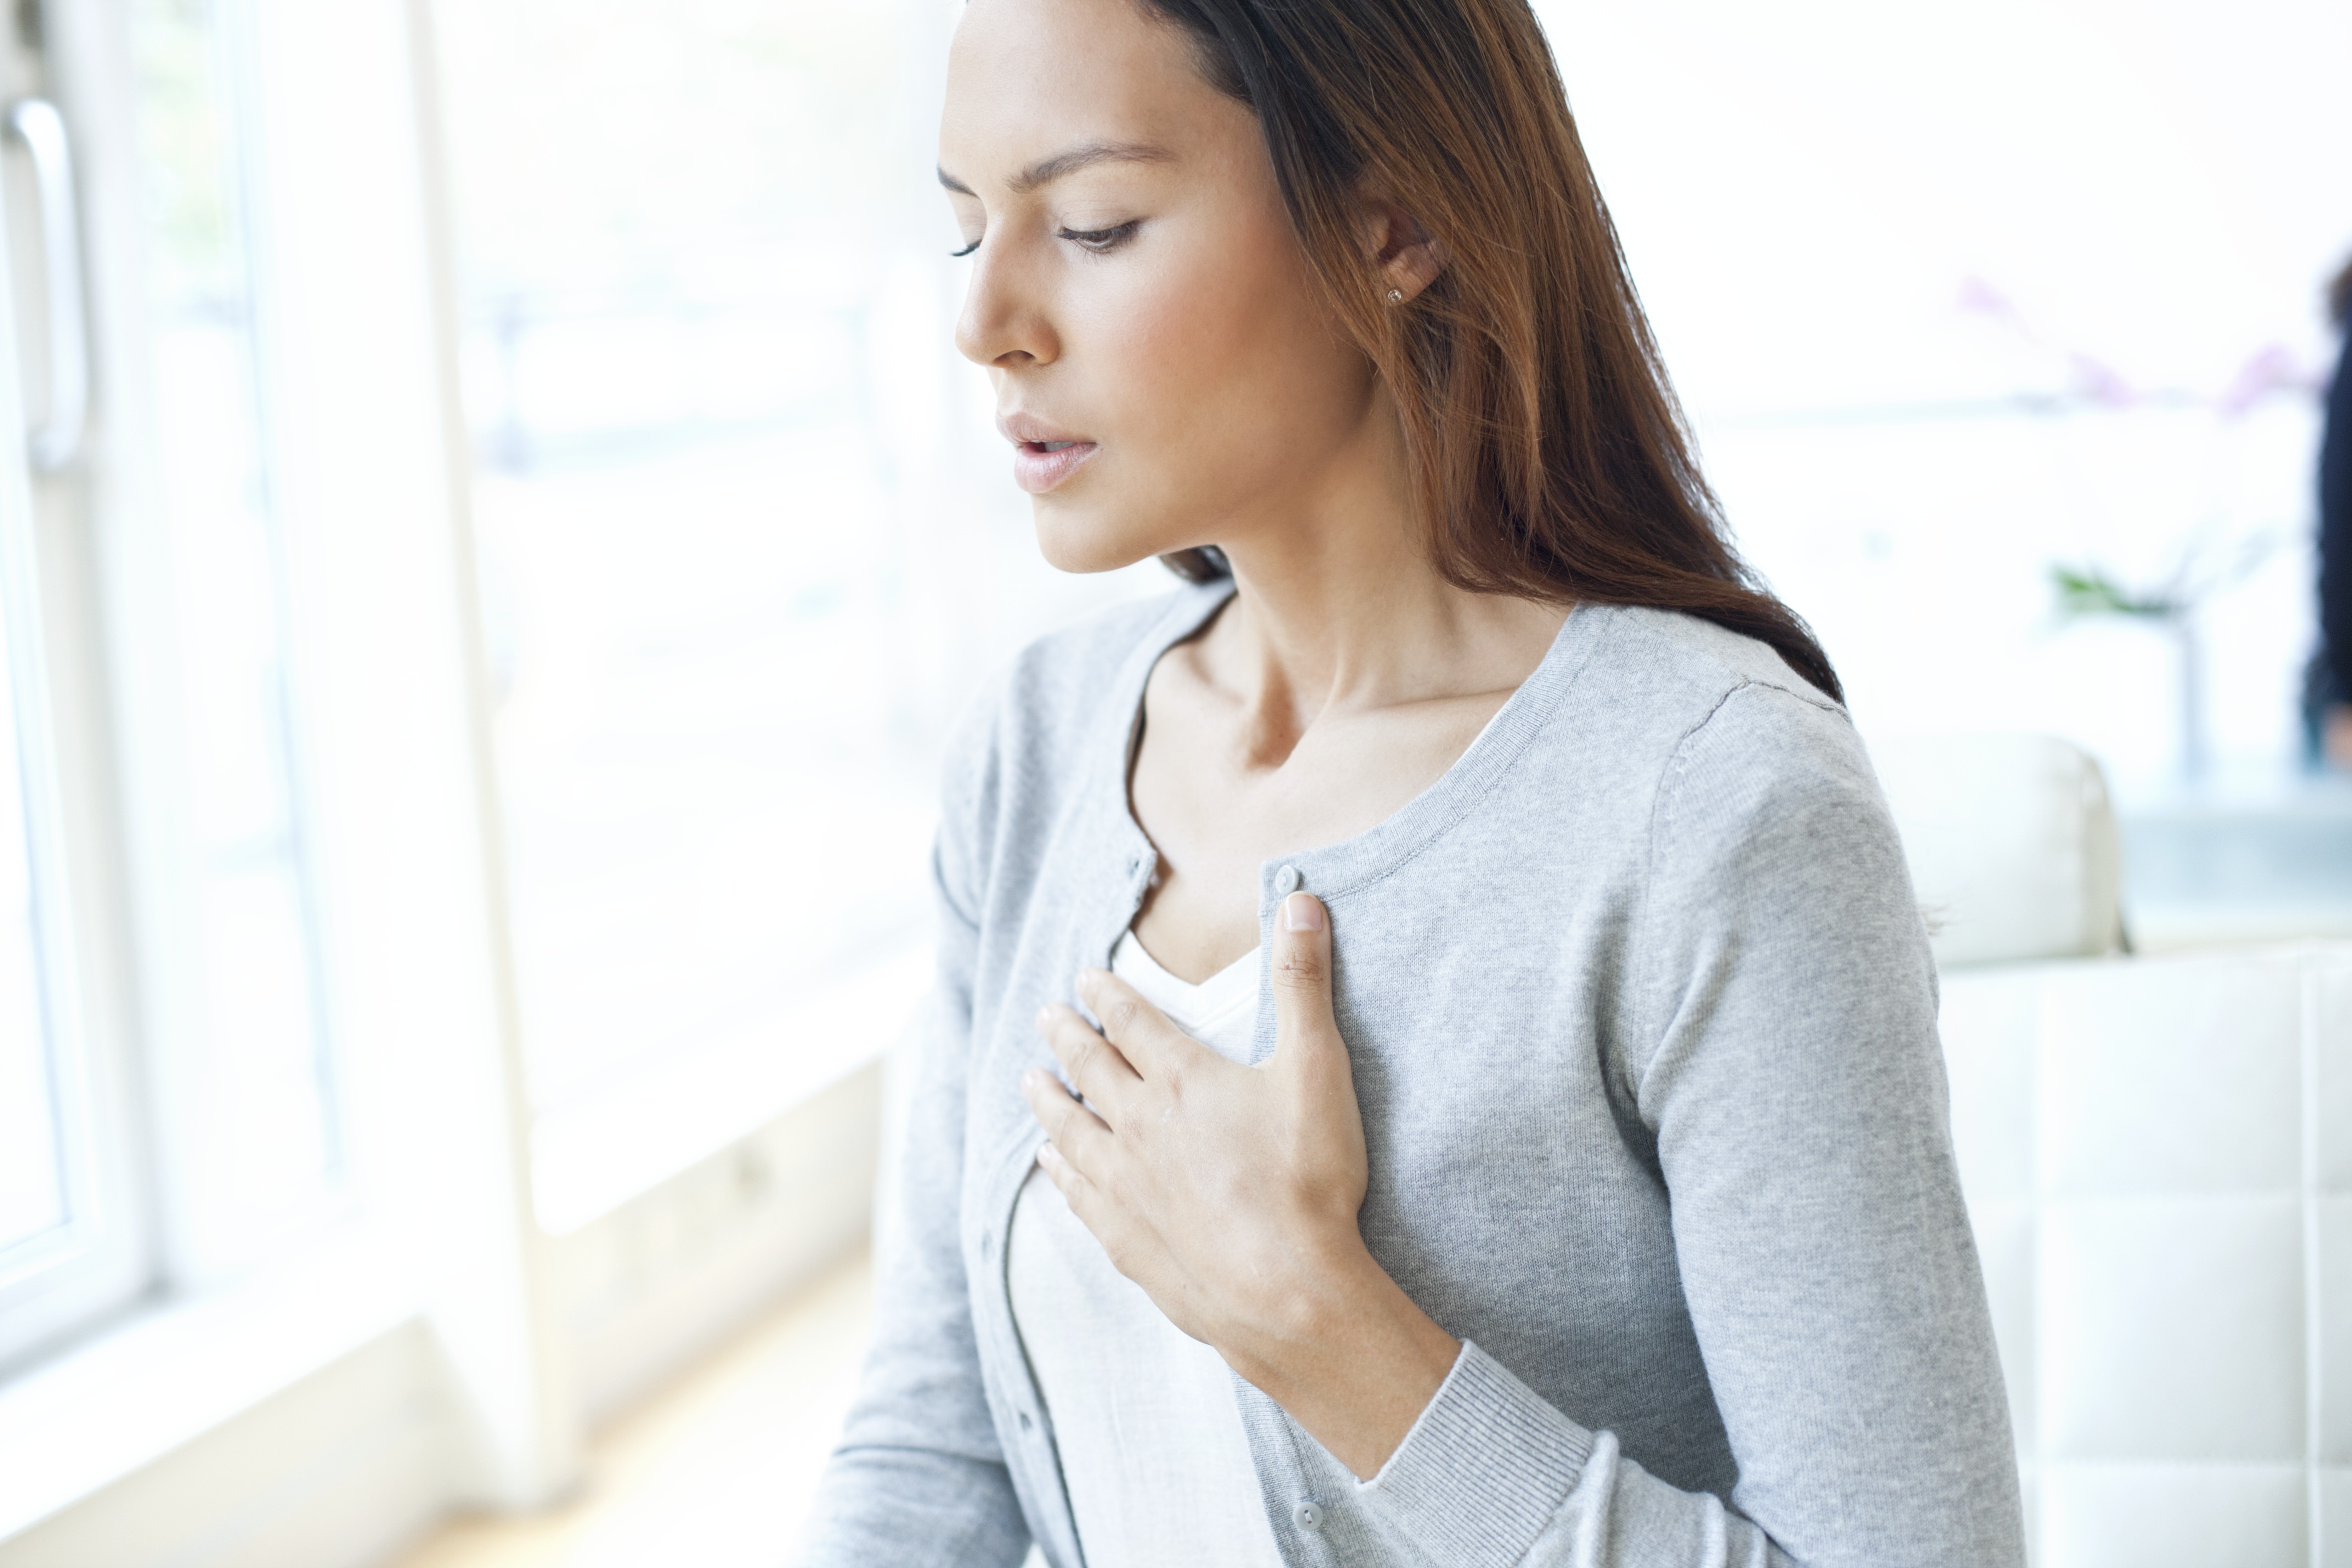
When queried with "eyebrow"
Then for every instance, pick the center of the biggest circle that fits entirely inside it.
(1046, 170)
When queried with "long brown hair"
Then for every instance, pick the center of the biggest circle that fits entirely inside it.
(1548, 454)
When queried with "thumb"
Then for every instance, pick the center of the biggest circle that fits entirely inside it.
(1306, 1036)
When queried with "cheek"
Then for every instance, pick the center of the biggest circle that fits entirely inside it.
(1221, 372)
(1162, 352)
(1219, 392)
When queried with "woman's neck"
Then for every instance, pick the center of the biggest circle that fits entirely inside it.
(1349, 617)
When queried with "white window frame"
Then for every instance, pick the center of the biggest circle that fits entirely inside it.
(194, 1248)
(99, 1260)
(365, 466)
(445, 1256)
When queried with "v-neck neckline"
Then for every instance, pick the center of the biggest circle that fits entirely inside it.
(1185, 1002)
(1335, 870)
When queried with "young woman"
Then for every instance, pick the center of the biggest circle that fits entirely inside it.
(2328, 687)
(1435, 1056)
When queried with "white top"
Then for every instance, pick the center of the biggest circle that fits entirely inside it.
(1145, 1420)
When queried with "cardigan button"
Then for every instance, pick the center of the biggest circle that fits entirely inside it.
(1285, 881)
(1309, 1516)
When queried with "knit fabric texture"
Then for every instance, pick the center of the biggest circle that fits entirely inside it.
(1642, 1023)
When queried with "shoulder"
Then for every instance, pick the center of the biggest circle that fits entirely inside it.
(1068, 678)
(1689, 659)
(1060, 686)
(1015, 747)
(1765, 809)
(1744, 748)
(1769, 856)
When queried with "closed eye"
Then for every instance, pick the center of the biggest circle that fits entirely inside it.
(967, 250)
(1099, 240)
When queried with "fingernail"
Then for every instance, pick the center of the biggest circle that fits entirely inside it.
(1302, 912)
(1045, 1015)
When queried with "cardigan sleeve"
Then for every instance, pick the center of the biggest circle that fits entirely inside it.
(1782, 1003)
(919, 1480)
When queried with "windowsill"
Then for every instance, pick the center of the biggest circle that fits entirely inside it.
(166, 1375)
(101, 1410)
(592, 1155)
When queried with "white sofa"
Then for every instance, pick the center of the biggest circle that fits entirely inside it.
(2157, 1159)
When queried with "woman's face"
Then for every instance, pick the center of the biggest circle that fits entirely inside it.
(1161, 358)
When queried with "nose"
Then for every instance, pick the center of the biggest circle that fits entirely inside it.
(1006, 322)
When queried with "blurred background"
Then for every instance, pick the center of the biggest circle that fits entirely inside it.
(501, 533)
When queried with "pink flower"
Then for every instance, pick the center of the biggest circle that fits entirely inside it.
(2101, 382)
(2272, 369)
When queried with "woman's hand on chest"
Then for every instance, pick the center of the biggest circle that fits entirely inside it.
(1230, 1195)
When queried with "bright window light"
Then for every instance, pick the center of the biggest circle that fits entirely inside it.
(1957, 298)
(678, 227)
(251, 1109)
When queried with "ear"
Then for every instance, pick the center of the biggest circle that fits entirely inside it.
(1409, 256)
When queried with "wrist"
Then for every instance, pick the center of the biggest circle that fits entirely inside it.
(1349, 1355)
(1304, 1306)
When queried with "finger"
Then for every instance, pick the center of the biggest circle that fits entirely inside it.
(1305, 1033)
(1086, 1199)
(1118, 1232)
(1152, 1045)
(1094, 1064)
(1083, 1136)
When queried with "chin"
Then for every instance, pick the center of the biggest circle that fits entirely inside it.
(1083, 540)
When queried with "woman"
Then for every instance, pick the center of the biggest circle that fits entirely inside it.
(2327, 696)
(1589, 1198)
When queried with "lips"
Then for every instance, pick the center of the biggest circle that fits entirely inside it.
(1043, 455)
(1039, 465)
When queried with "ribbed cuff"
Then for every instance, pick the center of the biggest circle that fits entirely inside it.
(1483, 1470)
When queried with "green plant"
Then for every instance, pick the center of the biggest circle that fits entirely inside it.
(2089, 591)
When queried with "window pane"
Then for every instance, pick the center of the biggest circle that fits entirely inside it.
(257, 1116)
(677, 224)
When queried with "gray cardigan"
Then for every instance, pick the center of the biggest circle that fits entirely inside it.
(1643, 1026)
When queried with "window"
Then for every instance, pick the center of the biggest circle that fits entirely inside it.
(69, 1247)
(672, 261)
(730, 535)
(169, 1111)
(34, 1204)
(250, 1107)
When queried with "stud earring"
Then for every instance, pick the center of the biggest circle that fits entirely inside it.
(1396, 295)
